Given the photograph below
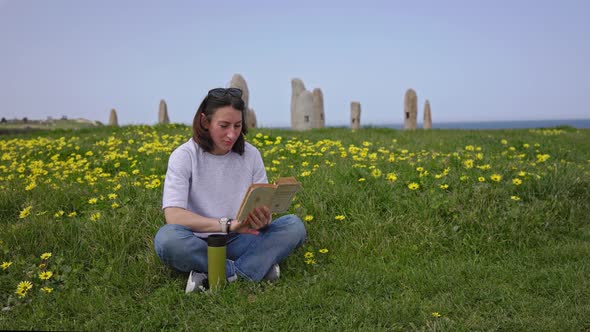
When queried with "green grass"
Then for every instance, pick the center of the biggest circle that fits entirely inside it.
(58, 124)
(470, 252)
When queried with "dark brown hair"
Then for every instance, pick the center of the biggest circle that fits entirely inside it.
(209, 106)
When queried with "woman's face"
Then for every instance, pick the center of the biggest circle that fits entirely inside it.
(225, 128)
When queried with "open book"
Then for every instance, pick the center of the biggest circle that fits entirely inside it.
(277, 197)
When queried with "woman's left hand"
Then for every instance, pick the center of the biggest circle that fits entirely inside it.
(259, 217)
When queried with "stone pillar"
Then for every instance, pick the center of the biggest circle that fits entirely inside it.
(163, 113)
(237, 81)
(250, 118)
(304, 111)
(297, 87)
(410, 109)
(113, 118)
(355, 115)
(318, 120)
(427, 115)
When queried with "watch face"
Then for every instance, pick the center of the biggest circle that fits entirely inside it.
(224, 220)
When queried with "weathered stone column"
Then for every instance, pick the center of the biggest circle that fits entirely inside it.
(163, 113)
(237, 81)
(427, 115)
(297, 87)
(410, 109)
(113, 118)
(304, 111)
(355, 115)
(318, 120)
(250, 118)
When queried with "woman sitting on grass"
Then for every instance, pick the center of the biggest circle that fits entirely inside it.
(206, 180)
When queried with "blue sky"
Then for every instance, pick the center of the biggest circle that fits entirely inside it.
(473, 60)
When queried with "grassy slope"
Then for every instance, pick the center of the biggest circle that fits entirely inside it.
(481, 260)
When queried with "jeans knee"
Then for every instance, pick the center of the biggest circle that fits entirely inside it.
(294, 227)
(167, 241)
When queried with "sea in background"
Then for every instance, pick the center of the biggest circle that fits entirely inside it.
(576, 123)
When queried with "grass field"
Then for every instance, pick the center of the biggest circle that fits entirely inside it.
(440, 230)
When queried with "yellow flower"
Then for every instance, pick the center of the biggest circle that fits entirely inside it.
(504, 142)
(496, 177)
(24, 285)
(72, 214)
(45, 275)
(323, 251)
(361, 179)
(515, 198)
(308, 254)
(481, 179)
(391, 177)
(310, 261)
(25, 212)
(95, 216)
(5, 265)
(376, 173)
(436, 314)
(340, 217)
(308, 218)
(114, 205)
(413, 186)
(20, 292)
(92, 201)
(31, 186)
(517, 182)
(522, 173)
(113, 196)
(444, 186)
(468, 163)
(59, 213)
(47, 289)
(46, 255)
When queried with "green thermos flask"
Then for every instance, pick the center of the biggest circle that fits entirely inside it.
(216, 255)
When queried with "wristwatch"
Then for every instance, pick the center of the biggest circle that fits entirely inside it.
(225, 222)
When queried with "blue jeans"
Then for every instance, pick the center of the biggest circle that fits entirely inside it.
(250, 256)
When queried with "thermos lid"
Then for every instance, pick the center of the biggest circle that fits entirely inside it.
(217, 240)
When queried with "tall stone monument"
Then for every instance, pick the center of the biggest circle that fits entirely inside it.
(163, 113)
(307, 108)
(318, 109)
(410, 109)
(250, 118)
(427, 115)
(355, 115)
(297, 87)
(238, 81)
(113, 121)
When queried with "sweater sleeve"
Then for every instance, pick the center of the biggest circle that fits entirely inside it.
(177, 181)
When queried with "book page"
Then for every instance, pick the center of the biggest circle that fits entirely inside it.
(256, 196)
(282, 198)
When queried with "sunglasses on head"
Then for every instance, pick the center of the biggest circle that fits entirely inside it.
(221, 92)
